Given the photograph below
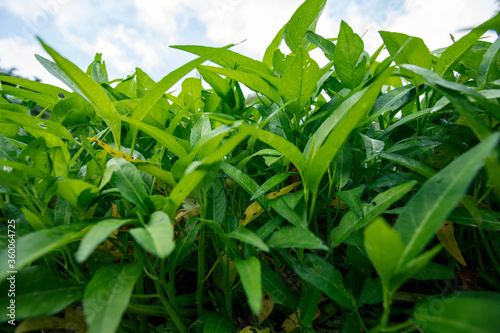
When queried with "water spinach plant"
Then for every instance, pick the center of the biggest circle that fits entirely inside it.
(361, 196)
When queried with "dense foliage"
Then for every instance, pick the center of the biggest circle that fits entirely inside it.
(311, 206)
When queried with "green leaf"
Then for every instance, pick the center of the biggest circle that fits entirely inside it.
(384, 247)
(426, 210)
(8, 151)
(343, 166)
(43, 100)
(91, 90)
(175, 145)
(96, 235)
(290, 210)
(42, 88)
(47, 128)
(38, 293)
(269, 184)
(76, 192)
(455, 52)
(52, 68)
(410, 163)
(216, 202)
(489, 217)
(245, 181)
(379, 204)
(299, 81)
(217, 323)
(246, 235)
(462, 312)
(373, 147)
(250, 276)
(372, 292)
(158, 90)
(156, 172)
(228, 59)
(407, 50)
(352, 198)
(107, 295)
(324, 44)
(350, 63)
(337, 130)
(37, 244)
(412, 267)
(323, 276)
(282, 145)
(279, 291)
(252, 81)
(308, 305)
(295, 237)
(304, 19)
(183, 246)
(221, 87)
(195, 174)
(275, 44)
(488, 67)
(457, 94)
(393, 100)
(433, 271)
(129, 182)
(158, 235)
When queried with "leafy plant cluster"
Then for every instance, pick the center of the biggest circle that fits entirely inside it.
(311, 206)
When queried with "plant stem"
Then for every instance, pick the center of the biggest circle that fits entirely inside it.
(227, 286)
(396, 328)
(476, 215)
(387, 308)
(166, 304)
(201, 270)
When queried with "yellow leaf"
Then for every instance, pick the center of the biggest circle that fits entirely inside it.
(293, 322)
(73, 320)
(114, 211)
(218, 273)
(337, 203)
(255, 210)
(446, 236)
(250, 329)
(289, 325)
(141, 165)
(267, 307)
(186, 215)
(114, 152)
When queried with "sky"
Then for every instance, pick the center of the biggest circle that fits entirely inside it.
(138, 33)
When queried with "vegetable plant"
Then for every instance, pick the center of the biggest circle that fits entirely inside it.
(362, 195)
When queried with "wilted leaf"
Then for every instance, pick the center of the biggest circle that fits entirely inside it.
(446, 235)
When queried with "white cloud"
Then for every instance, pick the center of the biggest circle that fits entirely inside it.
(137, 32)
(22, 53)
(231, 21)
(430, 20)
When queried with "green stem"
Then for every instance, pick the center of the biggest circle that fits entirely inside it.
(387, 308)
(156, 311)
(166, 304)
(201, 270)
(144, 296)
(395, 328)
(78, 271)
(311, 210)
(227, 286)
(476, 215)
(139, 288)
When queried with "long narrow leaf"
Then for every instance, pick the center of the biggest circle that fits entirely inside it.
(426, 210)
(91, 90)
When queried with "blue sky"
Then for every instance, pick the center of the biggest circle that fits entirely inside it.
(137, 33)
